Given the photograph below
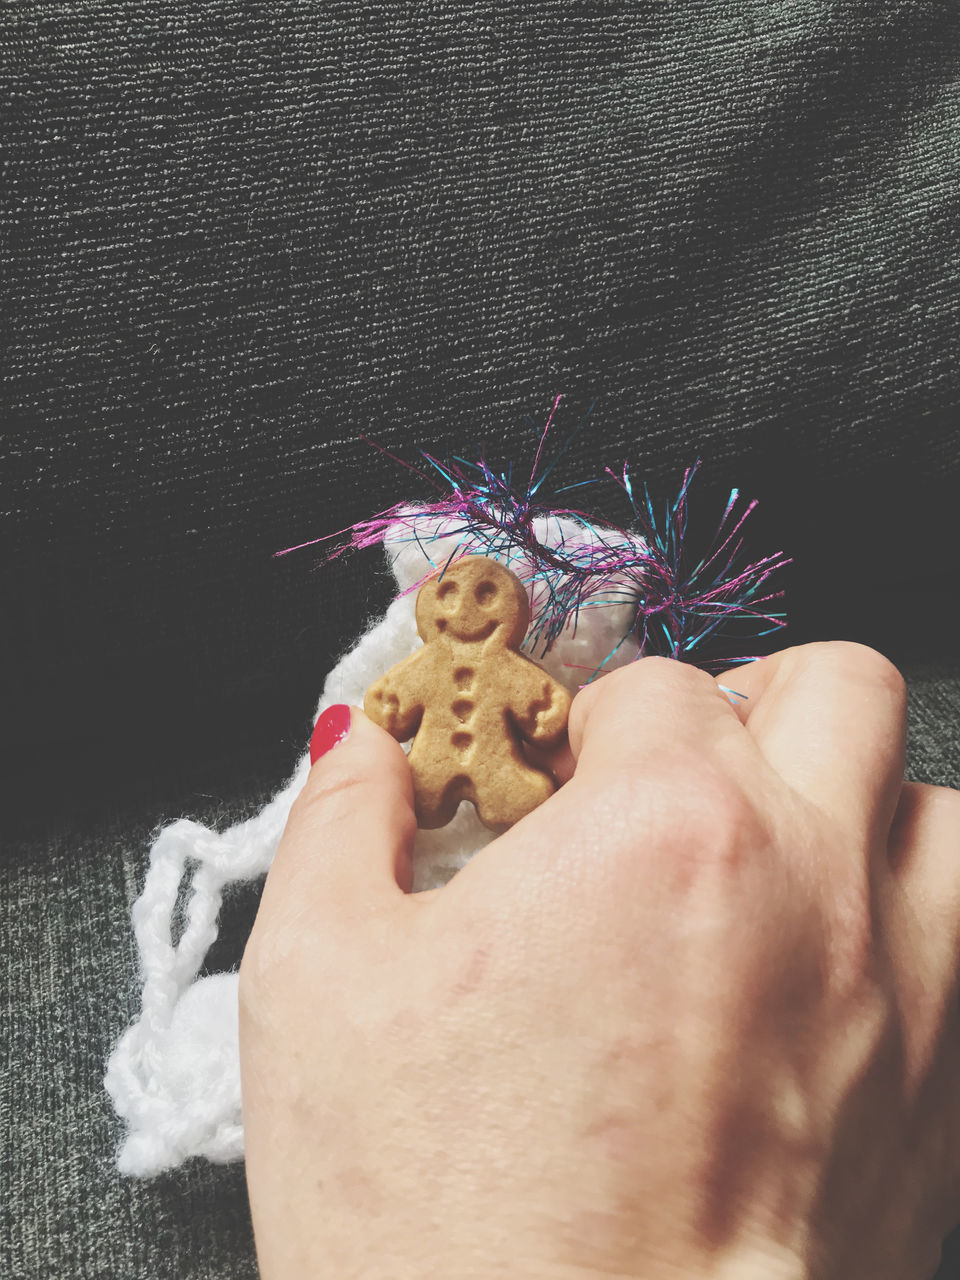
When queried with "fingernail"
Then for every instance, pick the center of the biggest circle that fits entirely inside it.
(330, 730)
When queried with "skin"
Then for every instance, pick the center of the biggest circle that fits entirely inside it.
(697, 1015)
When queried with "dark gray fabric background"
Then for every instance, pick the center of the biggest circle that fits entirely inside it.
(235, 236)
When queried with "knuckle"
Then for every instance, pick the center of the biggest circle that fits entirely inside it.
(328, 796)
(657, 672)
(661, 673)
(721, 823)
(336, 795)
(683, 675)
(858, 661)
(689, 806)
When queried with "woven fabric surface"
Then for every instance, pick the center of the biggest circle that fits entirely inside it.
(234, 236)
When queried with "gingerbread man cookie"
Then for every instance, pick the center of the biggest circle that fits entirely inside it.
(469, 699)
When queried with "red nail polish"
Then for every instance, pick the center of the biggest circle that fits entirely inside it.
(330, 730)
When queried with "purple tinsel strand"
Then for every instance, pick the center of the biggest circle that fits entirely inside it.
(585, 565)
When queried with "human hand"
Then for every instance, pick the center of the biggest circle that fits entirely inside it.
(695, 1016)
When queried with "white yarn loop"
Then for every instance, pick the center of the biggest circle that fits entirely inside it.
(174, 1076)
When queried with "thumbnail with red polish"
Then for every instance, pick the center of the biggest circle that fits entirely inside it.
(330, 730)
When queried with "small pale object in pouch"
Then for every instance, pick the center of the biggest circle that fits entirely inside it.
(468, 698)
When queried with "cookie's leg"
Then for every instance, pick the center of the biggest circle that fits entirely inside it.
(510, 790)
(438, 788)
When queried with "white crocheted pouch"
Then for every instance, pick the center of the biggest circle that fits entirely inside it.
(174, 1076)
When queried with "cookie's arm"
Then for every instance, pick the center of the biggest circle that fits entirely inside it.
(395, 701)
(539, 705)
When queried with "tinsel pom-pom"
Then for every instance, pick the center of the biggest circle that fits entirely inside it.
(681, 606)
(569, 561)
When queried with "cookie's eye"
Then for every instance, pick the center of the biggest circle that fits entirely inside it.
(486, 593)
(447, 590)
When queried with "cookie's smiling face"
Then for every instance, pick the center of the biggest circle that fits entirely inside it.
(471, 600)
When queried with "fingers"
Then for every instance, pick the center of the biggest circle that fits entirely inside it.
(644, 712)
(924, 855)
(347, 844)
(831, 719)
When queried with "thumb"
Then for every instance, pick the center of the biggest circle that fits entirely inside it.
(349, 836)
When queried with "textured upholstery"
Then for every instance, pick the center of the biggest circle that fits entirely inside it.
(234, 237)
